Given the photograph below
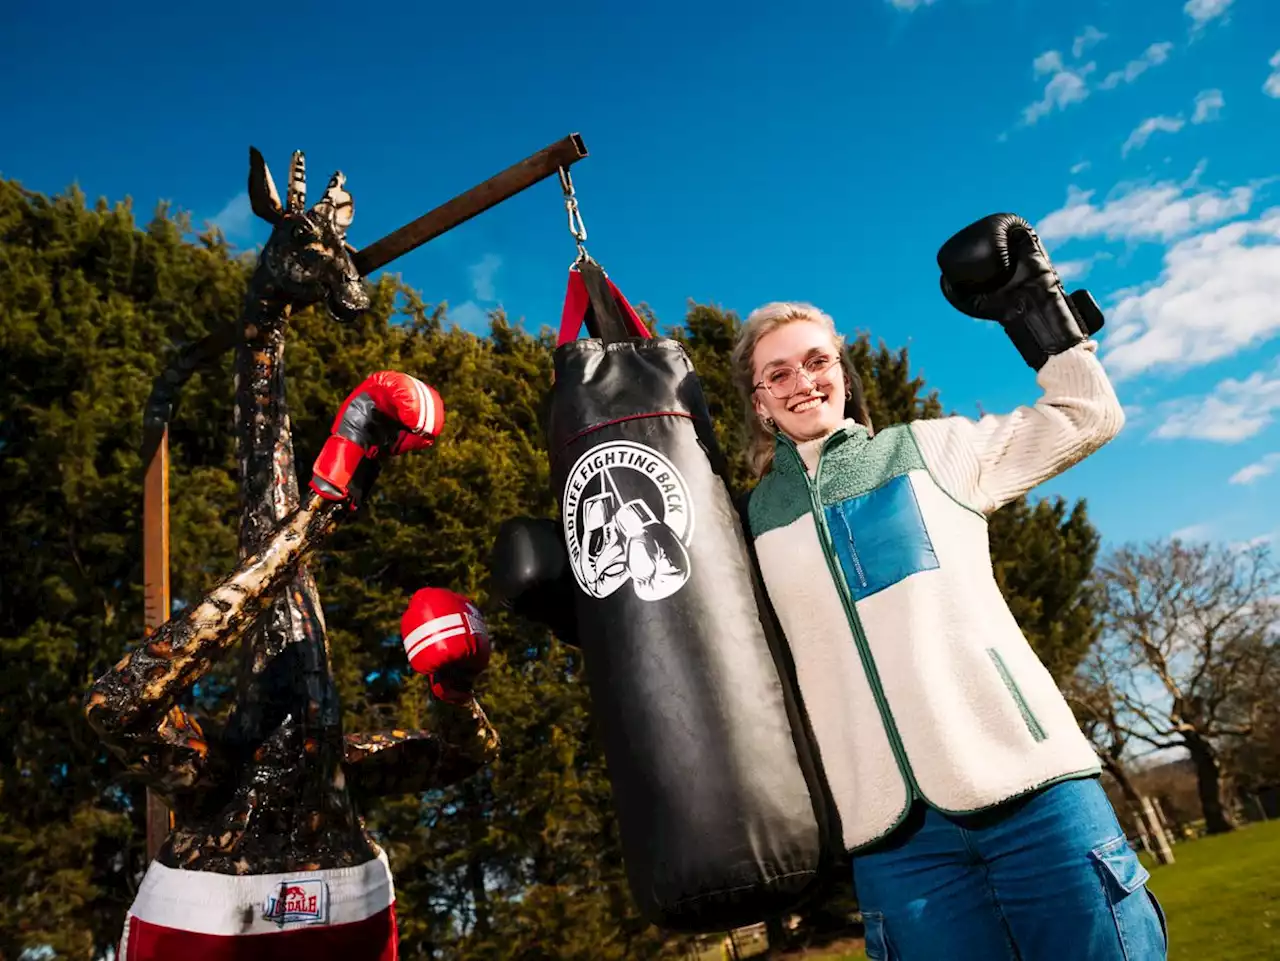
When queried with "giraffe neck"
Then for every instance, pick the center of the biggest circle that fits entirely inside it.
(287, 807)
(285, 668)
(268, 481)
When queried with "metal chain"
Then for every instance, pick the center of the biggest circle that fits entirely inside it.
(576, 226)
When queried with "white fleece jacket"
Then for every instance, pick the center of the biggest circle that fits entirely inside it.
(917, 680)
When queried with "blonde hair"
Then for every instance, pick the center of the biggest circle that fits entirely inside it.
(760, 322)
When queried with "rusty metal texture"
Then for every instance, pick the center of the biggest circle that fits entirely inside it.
(269, 791)
(503, 186)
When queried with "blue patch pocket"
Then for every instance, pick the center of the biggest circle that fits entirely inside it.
(880, 537)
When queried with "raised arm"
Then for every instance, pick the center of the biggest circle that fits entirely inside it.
(460, 742)
(996, 269)
(447, 640)
(133, 707)
(988, 462)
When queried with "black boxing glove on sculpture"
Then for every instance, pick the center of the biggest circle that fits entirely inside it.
(997, 269)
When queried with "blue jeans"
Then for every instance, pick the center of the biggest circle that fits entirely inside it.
(1046, 878)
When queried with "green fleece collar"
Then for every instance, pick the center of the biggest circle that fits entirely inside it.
(792, 458)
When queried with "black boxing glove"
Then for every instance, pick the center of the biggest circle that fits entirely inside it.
(996, 269)
(529, 574)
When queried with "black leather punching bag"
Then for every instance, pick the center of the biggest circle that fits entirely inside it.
(719, 808)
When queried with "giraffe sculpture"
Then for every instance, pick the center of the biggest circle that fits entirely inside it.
(278, 788)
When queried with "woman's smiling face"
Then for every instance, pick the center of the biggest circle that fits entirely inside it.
(807, 402)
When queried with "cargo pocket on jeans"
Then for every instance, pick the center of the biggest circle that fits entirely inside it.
(877, 946)
(1138, 917)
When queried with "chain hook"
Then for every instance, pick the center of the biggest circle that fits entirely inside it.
(576, 226)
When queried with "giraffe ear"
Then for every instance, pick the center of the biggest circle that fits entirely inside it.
(263, 198)
(337, 203)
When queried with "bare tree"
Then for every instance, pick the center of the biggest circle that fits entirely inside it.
(1189, 643)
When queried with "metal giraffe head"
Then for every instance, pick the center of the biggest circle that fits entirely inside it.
(307, 258)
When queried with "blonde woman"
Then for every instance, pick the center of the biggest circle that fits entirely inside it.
(966, 792)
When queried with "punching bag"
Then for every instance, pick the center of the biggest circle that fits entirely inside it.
(721, 816)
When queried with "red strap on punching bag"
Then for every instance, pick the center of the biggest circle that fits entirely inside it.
(578, 304)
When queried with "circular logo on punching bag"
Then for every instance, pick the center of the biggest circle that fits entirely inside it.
(628, 519)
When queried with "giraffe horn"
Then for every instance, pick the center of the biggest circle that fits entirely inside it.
(297, 200)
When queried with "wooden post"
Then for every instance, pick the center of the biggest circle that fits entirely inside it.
(1161, 818)
(1164, 851)
(1144, 833)
(1257, 804)
(155, 576)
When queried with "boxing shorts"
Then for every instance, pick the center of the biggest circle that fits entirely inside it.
(345, 914)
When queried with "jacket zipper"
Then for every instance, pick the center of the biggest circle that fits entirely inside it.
(853, 553)
(859, 636)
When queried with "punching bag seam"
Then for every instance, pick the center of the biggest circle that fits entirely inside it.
(621, 420)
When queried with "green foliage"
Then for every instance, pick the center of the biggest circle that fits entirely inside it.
(1043, 555)
(519, 862)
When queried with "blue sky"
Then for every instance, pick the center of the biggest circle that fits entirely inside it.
(749, 152)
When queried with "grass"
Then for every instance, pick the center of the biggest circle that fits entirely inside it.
(1221, 896)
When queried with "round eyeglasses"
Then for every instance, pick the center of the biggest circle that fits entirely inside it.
(781, 382)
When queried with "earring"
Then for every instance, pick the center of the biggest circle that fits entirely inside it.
(768, 422)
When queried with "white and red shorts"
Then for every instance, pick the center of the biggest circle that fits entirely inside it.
(346, 914)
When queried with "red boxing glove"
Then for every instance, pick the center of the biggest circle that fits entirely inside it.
(447, 640)
(390, 411)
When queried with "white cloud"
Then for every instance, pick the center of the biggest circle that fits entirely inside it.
(470, 316)
(1202, 11)
(1209, 104)
(1068, 84)
(1272, 86)
(1160, 211)
(1153, 56)
(1081, 167)
(1256, 470)
(482, 274)
(1142, 133)
(1065, 86)
(1048, 62)
(1069, 270)
(1235, 411)
(1090, 37)
(235, 218)
(911, 4)
(1193, 533)
(1254, 542)
(1218, 293)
